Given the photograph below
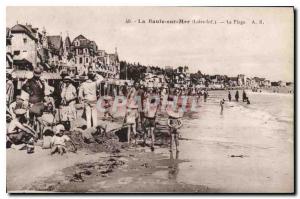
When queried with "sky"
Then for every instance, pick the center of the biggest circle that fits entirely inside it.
(263, 50)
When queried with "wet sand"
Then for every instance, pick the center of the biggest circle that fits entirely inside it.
(245, 149)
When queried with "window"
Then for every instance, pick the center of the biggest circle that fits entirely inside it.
(16, 52)
(86, 60)
(80, 60)
(25, 40)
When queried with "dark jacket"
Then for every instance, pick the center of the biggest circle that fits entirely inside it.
(35, 89)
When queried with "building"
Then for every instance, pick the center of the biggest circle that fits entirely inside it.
(27, 48)
(43, 50)
(107, 64)
(182, 75)
(267, 83)
(24, 43)
(56, 50)
(282, 83)
(9, 53)
(67, 47)
(241, 81)
(84, 52)
(233, 81)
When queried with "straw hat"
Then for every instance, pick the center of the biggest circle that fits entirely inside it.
(20, 111)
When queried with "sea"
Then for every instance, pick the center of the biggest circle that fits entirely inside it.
(245, 148)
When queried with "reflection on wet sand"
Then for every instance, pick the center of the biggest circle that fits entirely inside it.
(173, 167)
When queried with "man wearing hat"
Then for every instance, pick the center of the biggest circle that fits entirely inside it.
(19, 133)
(36, 91)
(68, 100)
(19, 103)
(88, 94)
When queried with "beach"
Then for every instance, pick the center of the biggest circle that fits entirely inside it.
(247, 148)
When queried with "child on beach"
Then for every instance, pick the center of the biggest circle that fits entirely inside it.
(149, 123)
(107, 106)
(174, 123)
(130, 119)
(59, 140)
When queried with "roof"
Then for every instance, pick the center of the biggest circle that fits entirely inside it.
(68, 41)
(85, 43)
(27, 29)
(80, 37)
(55, 41)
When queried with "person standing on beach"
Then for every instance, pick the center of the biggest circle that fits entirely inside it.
(150, 115)
(35, 92)
(198, 95)
(229, 96)
(68, 96)
(174, 123)
(130, 119)
(248, 101)
(222, 105)
(244, 96)
(141, 96)
(134, 98)
(205, 95)
(237, 96)
(88, 93)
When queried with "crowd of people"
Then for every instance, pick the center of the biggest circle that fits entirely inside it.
(39, 109)
(34, 110)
